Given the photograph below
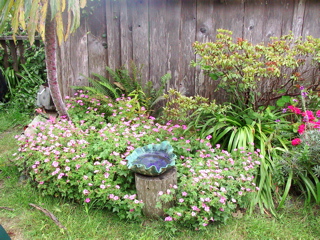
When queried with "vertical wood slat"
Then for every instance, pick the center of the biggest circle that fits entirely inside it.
(126, 33)
(14, 55)
(157, 39)
(311, 20)
(206, 28)
(113, 34)
(140, 36)
(187, 38)
(173, 41)
(297, 20)
(97, 41)
(254, 20)
(73, 61)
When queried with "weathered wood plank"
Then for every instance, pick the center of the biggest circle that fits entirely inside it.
(126, 33)
(272, 20)
(311, 20)
(254, 19)
(287, 16)
(157, 38)
(234, 9)
(297, 21)
(206, 31)
(173, 43)
(188, 36)
(113, 34)
(97, 41)
(72, 64)
(140, 35)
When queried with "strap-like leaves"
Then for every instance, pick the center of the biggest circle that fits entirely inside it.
(32, 15)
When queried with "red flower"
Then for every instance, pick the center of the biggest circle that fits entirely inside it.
(296, 141)
(294, 109)
(318, 114)
(308, 114)
(301, 128)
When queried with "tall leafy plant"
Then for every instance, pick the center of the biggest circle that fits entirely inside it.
(127, 82)
(256, 75)
(44, 17)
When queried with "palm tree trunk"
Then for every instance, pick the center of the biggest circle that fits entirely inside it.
(51, 62)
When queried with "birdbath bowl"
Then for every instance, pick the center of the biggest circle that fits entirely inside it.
(152, 159)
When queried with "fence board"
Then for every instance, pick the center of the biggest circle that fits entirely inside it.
(113, 34)
(287, 16)
(206, 30)
(97, 41)
(140, 35)
(126, 33)
(188, 33)
(173, 41)
(311, 21)
(298, 17)
(234, 9)
(254, 18)
(72, 64)
(159, 35)
(157, 39)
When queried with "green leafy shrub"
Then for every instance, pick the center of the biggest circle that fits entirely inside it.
(23, 95)
(301, 165)
(181, 109)
(127, 82)
(88, 165)
(256, 75)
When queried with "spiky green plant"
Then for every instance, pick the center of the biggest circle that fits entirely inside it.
(124, 82)
(302, 165)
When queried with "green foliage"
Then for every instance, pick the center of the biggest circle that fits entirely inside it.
(23, 92)
(11, 117)
(125, 82)
(243, 68)
(87, 163)
(302, 164)
(237, 128)
(181, 109)
(19, 13)
(24, 84)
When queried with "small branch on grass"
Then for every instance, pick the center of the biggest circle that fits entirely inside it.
(49, 214)
(7, 208)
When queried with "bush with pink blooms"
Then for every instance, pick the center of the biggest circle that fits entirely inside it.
(301, 164)
(84, 160)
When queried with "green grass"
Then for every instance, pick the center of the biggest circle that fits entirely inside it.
(27, 223)
(11, 117)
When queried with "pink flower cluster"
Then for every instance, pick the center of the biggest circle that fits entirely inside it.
(308, 119)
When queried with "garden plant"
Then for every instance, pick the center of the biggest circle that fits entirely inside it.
(87, 163)
(230, 157)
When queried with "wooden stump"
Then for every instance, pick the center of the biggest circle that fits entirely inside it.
(148, 189)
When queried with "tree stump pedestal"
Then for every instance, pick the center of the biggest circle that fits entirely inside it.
(148, 188)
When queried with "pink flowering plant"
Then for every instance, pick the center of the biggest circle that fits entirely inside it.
(85, 161)
(212, 184)
(302, 163)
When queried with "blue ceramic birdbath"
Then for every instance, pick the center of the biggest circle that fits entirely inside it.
(152, 159)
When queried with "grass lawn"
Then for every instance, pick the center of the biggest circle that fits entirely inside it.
(24, 222)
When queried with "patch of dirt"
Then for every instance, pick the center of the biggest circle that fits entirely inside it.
(11, 227)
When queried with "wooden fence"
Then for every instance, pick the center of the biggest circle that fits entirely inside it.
(158, 34)
(13, 52)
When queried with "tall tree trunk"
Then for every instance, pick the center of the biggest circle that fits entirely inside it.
(51, 62)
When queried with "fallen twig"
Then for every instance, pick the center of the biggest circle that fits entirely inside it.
(7, 208)
(49, 214)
